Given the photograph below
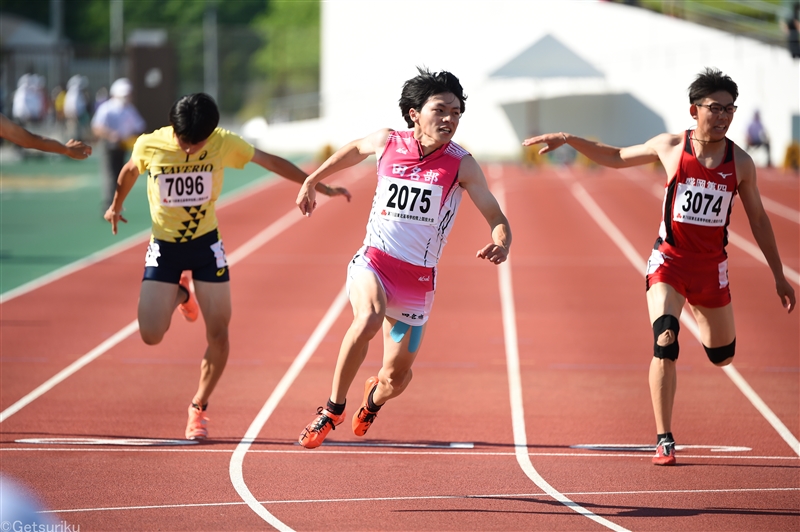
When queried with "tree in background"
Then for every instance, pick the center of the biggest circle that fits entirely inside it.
(289, 63)
(268, 49)
(183, 19)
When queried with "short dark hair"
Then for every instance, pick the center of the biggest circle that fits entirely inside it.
(710, 81)
(419, 89)
(194, 117)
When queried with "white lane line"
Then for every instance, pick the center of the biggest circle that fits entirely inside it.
(755, 252)
(615, 454)
(762, 407)
(451, 445)
(133, 240)
(270, 232)
(515, 388)
(423, 498)
(745, 245)
(235, 468)
(237, 459)
(63, 271)
(123, 442)
(781, 210)
(639, 263)
(69, 370)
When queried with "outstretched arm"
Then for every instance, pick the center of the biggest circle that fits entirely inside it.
(24, 138)
(127, 178)
(603, 153)
(762, 228)
(471, 177)
(347, 156)
(288, 170)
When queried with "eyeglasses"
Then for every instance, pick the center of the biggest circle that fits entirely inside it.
(717, 109)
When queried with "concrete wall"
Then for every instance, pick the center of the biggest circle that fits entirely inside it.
(370, 47)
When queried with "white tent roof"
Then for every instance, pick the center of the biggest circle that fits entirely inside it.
(16, 31)
(547, 58)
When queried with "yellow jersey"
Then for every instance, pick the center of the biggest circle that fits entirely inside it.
(183, 189)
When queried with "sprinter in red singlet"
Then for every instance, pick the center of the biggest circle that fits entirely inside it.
(391, 280)
(705, 171)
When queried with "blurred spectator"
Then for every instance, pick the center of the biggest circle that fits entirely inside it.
(76, 106)
(27, 106)
(40, 89)
(792, 28)
(757, 136)
(100, 96)
(58, 94)
(116, 123)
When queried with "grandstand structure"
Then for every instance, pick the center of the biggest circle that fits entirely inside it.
(605, 70)
(756, 19)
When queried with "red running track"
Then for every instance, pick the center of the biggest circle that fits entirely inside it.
(529, 408)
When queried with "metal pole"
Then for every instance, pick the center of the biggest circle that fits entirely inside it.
(116, 41)
(210, 53)
(56, 69)
(57, 18)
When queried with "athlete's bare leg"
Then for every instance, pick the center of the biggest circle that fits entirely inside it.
(215, 304)
(157, 302)
(369, 306)
(717, 328)
(663, 385)
(663, 299)
(395, 374)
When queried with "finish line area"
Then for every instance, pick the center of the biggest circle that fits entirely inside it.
(475, 443)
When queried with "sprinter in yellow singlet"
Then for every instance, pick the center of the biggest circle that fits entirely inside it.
(185, 264)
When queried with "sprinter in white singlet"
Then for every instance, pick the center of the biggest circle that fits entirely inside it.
(392, 278)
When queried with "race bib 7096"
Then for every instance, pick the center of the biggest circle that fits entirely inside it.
(184, 189)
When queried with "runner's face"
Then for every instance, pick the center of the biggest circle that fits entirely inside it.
(190, 149)
(438, 120)
(713, 126)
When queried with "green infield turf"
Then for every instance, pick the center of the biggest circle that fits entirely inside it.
(51, 213)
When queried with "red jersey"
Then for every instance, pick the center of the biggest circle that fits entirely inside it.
(698, 201)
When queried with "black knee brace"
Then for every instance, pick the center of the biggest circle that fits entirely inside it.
(720, 354)
(666, 322)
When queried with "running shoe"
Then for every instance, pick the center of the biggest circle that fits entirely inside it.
(364, 417)
(315, 432)
(189, 309)
(665, 453)
(197, 427)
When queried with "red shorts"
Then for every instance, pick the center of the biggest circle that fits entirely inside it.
(409, 289)
(699, 277)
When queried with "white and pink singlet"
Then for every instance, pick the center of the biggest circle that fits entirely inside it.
(413, 211)
(416, 201)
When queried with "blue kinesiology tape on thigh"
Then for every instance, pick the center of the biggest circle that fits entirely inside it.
(416, 338)
(399, 330)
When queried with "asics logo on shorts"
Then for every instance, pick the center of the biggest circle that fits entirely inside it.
(425, 278)
(221, 272)
(153, 253)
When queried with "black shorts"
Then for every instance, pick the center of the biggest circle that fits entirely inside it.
(204, 256)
